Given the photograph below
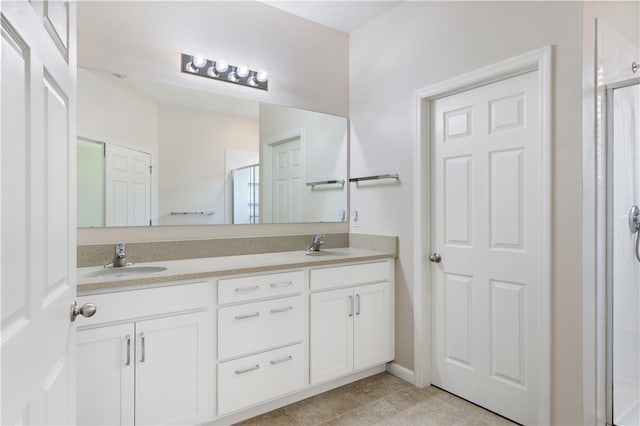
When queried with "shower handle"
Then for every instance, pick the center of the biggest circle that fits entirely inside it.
(634, 227)
(634, 219)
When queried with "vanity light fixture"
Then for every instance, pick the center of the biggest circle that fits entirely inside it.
(220, 69)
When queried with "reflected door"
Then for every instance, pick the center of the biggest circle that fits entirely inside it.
(127, 187)
(624, 267)
(287, 182)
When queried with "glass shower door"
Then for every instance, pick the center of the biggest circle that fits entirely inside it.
(623, 264)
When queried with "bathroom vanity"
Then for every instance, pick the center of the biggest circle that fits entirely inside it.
(226, 338)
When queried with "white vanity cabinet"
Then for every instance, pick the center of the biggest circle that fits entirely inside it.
(261, 335)
(144, 357)
(351, 319)
(228, 348)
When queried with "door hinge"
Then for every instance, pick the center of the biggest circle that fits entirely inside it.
(150, 169)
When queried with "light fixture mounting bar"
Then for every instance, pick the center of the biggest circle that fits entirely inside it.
(220, 70)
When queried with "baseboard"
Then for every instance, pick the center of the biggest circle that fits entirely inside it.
(401, 372)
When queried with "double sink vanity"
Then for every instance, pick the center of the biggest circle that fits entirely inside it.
(221, 339)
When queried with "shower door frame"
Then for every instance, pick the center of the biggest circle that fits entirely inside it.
(609, 240)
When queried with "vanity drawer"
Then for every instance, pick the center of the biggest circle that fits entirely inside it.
(258, 378)
(132, 304)
(259, 286)
(341, 276)
(254, 327)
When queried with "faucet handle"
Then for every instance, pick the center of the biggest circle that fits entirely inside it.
(121, 250)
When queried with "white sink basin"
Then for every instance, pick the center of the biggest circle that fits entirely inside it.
(125, 271)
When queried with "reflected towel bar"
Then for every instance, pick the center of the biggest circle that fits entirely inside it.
(376, 177)
(209, 213)
(325, 182)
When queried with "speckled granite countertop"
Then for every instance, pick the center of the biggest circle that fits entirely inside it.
(190, 269)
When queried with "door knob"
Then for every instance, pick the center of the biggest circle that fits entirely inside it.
(435, 257)
(86, 310)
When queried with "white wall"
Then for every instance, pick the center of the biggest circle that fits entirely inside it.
(108, 112)
(417, 44)
(307, 64)
(325, 142)
(191, 164)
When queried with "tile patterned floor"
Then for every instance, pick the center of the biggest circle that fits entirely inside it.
(382, 399)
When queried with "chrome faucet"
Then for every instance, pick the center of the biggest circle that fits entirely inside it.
(318, 241)
(120, 258)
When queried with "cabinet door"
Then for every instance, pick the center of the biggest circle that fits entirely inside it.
(372, 325)
(331, 334)
(171, 370)
(105, 359)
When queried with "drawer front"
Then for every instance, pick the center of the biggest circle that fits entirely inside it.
(259, 286)
(126, 305)
(258, 378)
(254, 327)
(340, 276)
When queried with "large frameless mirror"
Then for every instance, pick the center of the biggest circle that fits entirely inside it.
(150, 153)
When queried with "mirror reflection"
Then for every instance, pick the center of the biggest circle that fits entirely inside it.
(155, 154)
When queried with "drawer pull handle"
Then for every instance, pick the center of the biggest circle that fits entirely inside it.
(247, 370)
(281, 360)
(142, 344)
(128, 350)
(276, 311)
(254, 315)
(357, 304)
(350, 306)
(282, 284)
(241, 289)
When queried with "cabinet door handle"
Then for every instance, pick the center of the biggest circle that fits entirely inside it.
(282, 284)
(254, 315)
(246, 370)
(357, 304)
(142, 344)
(128, 349)
(288, 308)
(350, 306)
(281, 360)
(241, 289)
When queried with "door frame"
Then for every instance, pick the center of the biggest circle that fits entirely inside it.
(536, 60)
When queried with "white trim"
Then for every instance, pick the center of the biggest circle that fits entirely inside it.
(401, 372)
(540, 60)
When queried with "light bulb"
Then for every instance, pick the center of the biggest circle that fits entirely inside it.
(262, 76)
(222, 65)
(199, 61)
(190, 67)
(242, 71)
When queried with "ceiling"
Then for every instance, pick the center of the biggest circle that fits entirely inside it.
(344, 16)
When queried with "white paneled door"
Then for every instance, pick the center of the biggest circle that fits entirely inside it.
(128, 187)
(38, 211)
(486, 183)
(287, 169)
